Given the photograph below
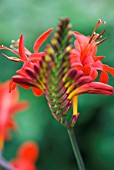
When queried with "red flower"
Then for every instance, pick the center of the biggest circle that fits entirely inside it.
(52, 73)
(83, 57)
(9, 105)
(26, 157)
(29, 59)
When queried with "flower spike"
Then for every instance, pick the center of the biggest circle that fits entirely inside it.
(62, 72)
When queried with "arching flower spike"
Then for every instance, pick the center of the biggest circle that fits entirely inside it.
(54, 75)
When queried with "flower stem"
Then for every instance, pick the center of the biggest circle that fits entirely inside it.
(4, 164)
(76, 150)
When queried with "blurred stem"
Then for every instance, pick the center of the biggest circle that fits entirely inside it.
(4, 164)
(76, 150)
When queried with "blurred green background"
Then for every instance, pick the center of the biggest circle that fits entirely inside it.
(95, 126)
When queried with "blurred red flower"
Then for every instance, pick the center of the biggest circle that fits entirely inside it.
(27, 155)
(9, 105)
(83, 56)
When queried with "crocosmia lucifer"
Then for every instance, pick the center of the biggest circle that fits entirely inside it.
(83, 56)
(28, 59)
(62, 72)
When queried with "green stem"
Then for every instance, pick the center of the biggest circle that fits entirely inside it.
(76, 150)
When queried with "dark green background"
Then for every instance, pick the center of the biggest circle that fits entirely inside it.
(95, 126)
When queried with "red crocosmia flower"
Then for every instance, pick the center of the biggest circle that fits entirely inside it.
(9, 105)
(84, 58)
(27, 155)
(28, 59)
(63, 73)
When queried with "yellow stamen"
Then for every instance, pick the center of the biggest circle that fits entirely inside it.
(54, 41)
(1, 143)
(75, 105)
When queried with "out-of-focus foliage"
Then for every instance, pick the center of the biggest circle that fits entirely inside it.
(95, 127)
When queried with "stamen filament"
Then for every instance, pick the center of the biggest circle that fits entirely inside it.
(1, 143)
(97, 25)
(75, 105)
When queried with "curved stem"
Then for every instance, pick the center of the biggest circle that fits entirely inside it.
(76, 150)
(4, 164)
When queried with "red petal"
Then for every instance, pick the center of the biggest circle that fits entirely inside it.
(35, 56)
(81, 41)
(97, 65)
(11, 125)
(24, 81)
(12, 85)
(96, 58)
(93, 73)
(8, 105)
(75, 59)
(22, 70)
(37, 92)
(103, 77)
(108, 69)
(41, 39)
(29, 151)
(21, 49)
(19, 107)
(26, 87)
(93, 88)
(86, 70)
(22, 164)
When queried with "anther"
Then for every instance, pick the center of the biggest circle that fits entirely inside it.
(12, 41)
(11, 46)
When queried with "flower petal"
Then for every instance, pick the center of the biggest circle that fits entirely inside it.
(12, 85)
(92, 88)
(97, 58)
(19, 107)
(29, 151)
(21, 49)
(9, 104)
(93, 73)
(81, 41)
(24, 81)
(103, 77)
(37, 92)
(108, 69)
(41, 39)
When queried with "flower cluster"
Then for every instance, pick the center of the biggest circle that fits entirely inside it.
(83, 56)
(28, 59)
(62, 72)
